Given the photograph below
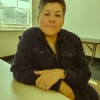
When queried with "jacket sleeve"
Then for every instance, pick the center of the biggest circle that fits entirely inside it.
(80, 75)
(22, 66)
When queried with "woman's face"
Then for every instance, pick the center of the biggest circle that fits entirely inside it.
(51, 19)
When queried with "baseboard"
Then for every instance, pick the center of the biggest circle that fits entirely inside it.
(7, 58)
(96, 59)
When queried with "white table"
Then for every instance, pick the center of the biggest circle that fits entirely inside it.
(13, 90)
(94, 42)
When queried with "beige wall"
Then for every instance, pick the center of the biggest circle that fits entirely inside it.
(8, 42)
(75, 21)
(88, 52)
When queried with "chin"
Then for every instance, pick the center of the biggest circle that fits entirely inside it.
(51, 34)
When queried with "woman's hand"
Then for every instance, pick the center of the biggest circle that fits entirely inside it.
(48, 78)
(66, 90)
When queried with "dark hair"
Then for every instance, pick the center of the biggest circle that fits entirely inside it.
(42, 3)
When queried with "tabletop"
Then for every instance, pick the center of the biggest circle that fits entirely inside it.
(90, 40)
(10, 89)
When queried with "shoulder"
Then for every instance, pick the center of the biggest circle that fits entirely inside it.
(31, 31)
(29, 35)
(70, 35)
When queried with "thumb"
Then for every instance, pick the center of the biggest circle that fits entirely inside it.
(38, 72)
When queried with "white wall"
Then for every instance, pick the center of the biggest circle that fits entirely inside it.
(83, 18)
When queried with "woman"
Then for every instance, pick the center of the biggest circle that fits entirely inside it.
(52, 58)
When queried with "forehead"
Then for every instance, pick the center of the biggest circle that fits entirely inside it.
(57, 7)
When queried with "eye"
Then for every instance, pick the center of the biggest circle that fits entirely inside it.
(58, 15)
(46, 14)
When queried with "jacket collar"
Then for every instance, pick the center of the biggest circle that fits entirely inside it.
(60, 35)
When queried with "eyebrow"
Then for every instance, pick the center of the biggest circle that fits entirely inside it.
(56, 11)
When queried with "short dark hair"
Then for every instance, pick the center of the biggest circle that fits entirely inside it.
(42, 3)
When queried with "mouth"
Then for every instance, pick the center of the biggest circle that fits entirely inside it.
(51, 26)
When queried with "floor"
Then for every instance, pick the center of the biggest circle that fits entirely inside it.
(95, 70)
(95, 78)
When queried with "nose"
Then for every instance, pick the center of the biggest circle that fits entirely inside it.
(52, 18)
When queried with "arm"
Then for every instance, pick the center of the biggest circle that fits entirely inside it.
(66, 90)
(23, 64)
(80, 75)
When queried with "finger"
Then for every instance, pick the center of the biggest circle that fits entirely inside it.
(48, 87)
(38, 72)
(39, 82)
(43, 87)
(41, 79)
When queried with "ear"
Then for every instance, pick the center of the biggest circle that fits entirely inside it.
(63, 21)
(63, 18)
(38, 19)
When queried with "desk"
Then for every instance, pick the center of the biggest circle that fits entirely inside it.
(94, 42)
(13, 90)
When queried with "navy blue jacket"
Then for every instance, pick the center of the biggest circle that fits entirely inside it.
(34, 53)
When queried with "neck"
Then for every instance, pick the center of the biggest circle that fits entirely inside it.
(51, 39)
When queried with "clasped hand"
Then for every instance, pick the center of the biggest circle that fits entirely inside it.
(48, 78)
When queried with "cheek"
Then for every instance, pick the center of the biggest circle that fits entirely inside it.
(61, 22)
(42, 21)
